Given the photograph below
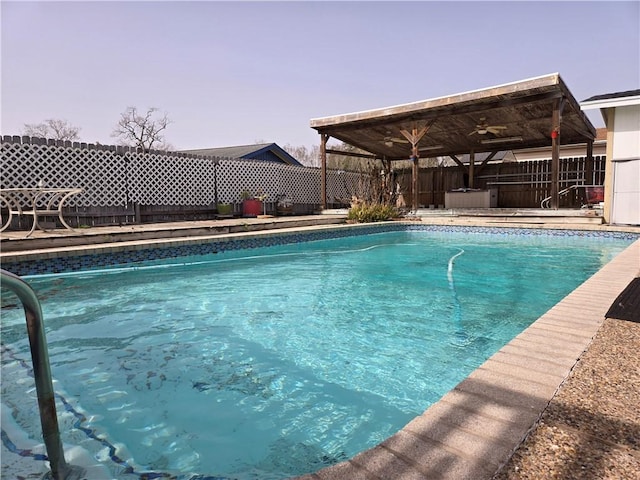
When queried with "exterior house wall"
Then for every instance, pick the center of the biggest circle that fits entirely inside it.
(625, 162)
(566, 151)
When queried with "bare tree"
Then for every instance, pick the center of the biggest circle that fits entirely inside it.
(142, 130)
(53, 128)
(309, 157)
(350, 163)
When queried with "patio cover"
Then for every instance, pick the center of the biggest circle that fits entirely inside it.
(537, 112)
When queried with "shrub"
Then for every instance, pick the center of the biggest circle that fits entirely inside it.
(372, 212)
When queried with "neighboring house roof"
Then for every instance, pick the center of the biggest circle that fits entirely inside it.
(609, 100)
(610, 96)
(269, 152)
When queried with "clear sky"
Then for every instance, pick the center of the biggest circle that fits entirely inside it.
(233, 73)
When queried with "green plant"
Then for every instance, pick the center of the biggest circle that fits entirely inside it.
(224, 208)
(371, 212)
(248, 195)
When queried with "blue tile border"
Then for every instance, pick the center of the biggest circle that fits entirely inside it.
(73, 263)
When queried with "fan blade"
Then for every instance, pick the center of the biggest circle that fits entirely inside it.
(399, 140)
(475, 131)
(495, 129)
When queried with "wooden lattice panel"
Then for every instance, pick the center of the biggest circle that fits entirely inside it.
(99, 172)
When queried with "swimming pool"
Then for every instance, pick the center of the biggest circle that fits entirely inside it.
(375, 329)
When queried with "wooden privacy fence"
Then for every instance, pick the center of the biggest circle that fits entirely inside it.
(123, 185)
(520, 184)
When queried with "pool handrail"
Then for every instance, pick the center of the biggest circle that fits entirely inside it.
(60, 469)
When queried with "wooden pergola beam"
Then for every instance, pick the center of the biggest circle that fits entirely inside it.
(486, 161)
(460, 164)
(351, 154)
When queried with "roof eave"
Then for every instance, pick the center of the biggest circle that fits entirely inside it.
(610, 103)
(381, 114)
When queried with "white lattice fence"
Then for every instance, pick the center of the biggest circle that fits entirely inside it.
(247, 175)
(99, 172)
(300, 184)
(170, 180)
(341, 186)
(117, 176)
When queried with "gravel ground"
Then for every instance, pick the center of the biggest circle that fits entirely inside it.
(591, 428)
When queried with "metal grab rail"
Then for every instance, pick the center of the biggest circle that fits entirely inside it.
(545, 203)
(588, 193)
(60, 469)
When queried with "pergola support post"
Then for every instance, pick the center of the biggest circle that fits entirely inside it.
(556, 119)
(414, 178)
(588, 167)
(323, 170)
(472, 159)
(414, 137)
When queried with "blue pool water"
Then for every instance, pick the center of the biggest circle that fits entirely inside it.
(277, 361)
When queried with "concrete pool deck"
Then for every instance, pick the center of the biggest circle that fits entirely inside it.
(473, 431)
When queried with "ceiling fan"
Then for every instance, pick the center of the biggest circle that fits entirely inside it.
(389, 141)
(482, 128)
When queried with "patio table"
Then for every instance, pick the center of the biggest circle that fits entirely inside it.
(38, 202)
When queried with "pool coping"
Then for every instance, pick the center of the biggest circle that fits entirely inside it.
(475, 428)
(90, 256)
